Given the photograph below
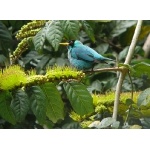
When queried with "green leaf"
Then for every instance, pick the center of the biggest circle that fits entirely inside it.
(20, 105)
(5, 109)
(144, 98)
(79, 98)
(55, 106)
(141, 69)
(106, 122)
(71, 28)
(88, 29)
(54, 33)
(121, 26)
(38, 103)
(39, 39)
(102, 48)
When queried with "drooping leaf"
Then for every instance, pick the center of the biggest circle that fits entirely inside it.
(38, 103)
(5, 109)
(55, 106)
(39, 39)
(54, 33)
(144, 98)
(88, 29)
(42, 63)
(79, 98)
(20, 105)
(141, 69)
(121, 26)
(71, 28)
(32, 55)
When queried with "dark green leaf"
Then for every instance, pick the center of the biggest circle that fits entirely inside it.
(129, 102)
(71, 28)
(20, 105)
(102, 48)
(141, 69)
(88, 29)
(121, 26)
(79, 98)
(55, 106)
(38, 103)
(145, 123)
(122, 55)
(5, 109)
(39, 39)
(144, 98)
(54, 33)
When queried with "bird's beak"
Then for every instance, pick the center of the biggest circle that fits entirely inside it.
(65, 44)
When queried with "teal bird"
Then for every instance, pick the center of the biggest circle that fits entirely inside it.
(83, 57)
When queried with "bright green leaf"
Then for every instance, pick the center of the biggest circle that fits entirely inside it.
(38, 103)
(79, 97)
(71, 28)
(55, 106)
(88, 29)
(54, 33)
(20, 105)
(5, 109)
(144, 98)
(141, 69)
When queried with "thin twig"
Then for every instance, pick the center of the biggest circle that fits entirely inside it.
(123, 74)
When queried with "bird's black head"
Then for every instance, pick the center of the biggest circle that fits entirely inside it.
(71, 43)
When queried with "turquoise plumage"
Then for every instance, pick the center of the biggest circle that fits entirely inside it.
(83, 57)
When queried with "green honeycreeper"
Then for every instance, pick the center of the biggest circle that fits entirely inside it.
(83, 57)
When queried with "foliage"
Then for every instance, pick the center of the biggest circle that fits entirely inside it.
(39, 88)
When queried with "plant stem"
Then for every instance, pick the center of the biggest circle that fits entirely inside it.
(123, 74)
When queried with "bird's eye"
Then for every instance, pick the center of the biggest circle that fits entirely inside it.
(71, 42)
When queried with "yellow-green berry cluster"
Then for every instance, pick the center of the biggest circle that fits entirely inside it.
(12, 77)
(35, 25)
(22, 46)
(64, 73)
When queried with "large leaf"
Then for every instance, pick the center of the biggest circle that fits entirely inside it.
(5, 109)
(39, 39)
(88, 29)
(144, 98)
(79, 97)
(38, 103)
(121, 26)
(55, 106)
(54, 33)
(141, 69)
(71, 28)
(20, 105)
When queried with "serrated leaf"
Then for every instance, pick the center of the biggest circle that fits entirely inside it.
(79, 98)
(55, 106)
(38, 103)
(141, 69)
(121, 26)
(71, 28)
(5, 109)
(144, 98)
(54, 33)
(20, 105)
(88, 29)
(39, 39)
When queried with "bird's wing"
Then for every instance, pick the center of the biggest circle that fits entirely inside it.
(82, 53)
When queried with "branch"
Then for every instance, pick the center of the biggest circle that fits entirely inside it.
(106, 70)
(123, 74)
